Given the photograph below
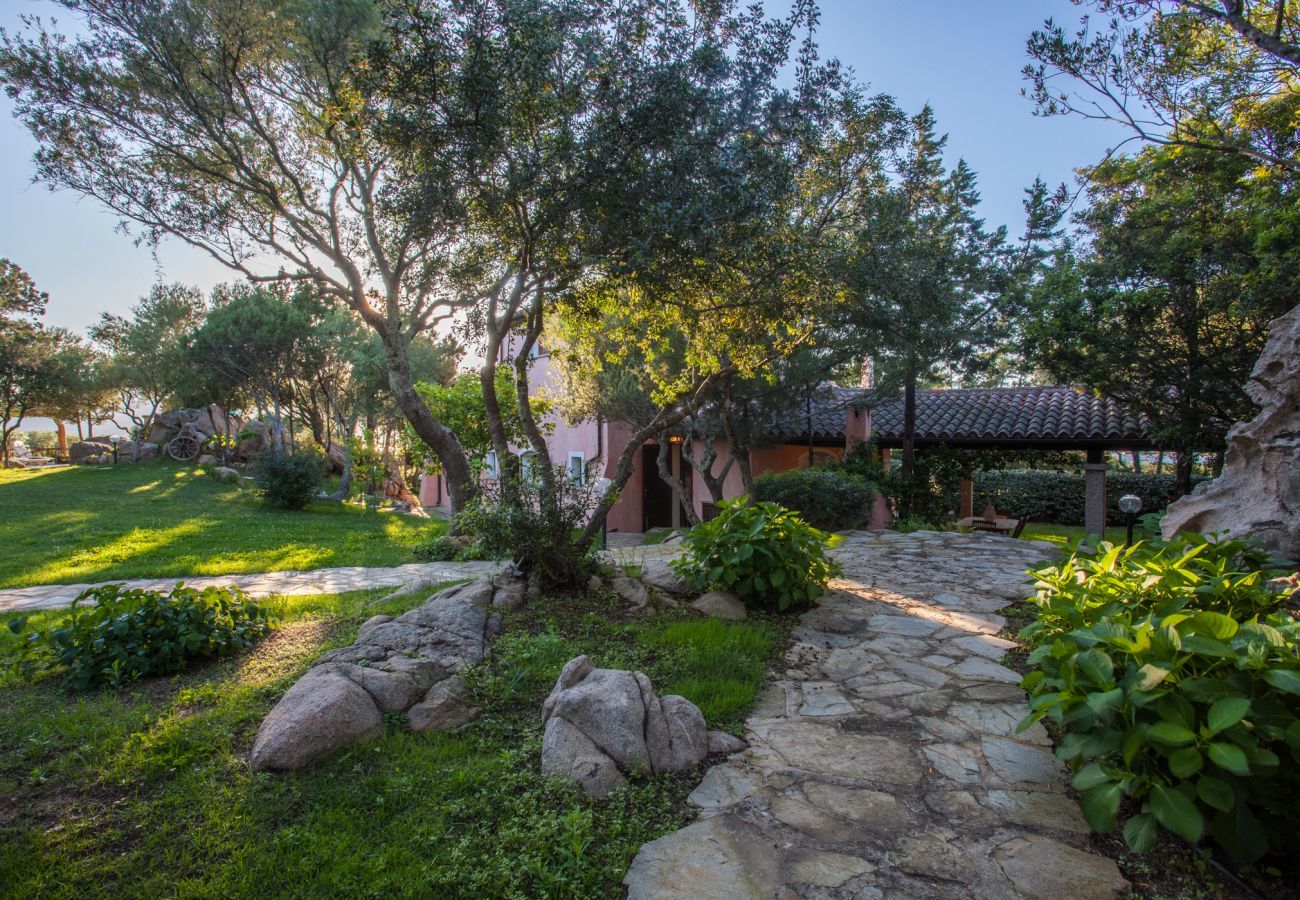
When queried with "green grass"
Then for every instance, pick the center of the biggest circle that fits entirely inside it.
(1068, 536)
(146, 791)
(158, 520)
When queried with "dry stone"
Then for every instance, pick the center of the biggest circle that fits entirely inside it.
(612, 718)
(447, 705)
(721, 605)
(883, 759)
(403, 664)
(321, 713)
(657, 573)
(1258, 493)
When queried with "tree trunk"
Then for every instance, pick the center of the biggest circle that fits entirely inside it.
(61, 448)
(679, 489)
(704, 464)
(461, 487)
(1160, 462)
(1183, 473)
(909, 422)
(1137, 461)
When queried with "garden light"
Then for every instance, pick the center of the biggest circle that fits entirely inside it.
(1130, 505)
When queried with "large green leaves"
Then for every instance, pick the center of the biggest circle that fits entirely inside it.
(1170, 690)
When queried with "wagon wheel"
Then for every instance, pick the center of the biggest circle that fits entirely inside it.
(183, 447)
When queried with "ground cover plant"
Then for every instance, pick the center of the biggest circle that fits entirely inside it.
(764, 554)
(114, 635)
(1171, 671)
(146, 790)
(157, 520)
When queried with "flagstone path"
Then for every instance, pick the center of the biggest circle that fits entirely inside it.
(292, 583)
(884, 760)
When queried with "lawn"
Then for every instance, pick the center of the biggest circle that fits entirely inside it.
(159, 520)
(147, 791)
(1068, 536)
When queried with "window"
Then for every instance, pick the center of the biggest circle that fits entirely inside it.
(577, 467)
(491, 466)
(526, 459)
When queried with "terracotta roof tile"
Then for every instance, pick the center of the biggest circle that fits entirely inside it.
(1017, 415)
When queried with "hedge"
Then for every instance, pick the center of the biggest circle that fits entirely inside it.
(1048, 496)
(827, 499)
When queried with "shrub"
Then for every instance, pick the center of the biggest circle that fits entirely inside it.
(116, 635)
(537, 531)
(1174, 671)
(448, 548)
(1047, 496)
(764, 554)
(829, 499)
(290, 480)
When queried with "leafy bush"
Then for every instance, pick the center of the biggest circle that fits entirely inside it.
(537, 531)
(1046, 496)
(115, 635)
(764, 554)
(1174, 671)
(449, 548)
(290, 480)
(829, 499)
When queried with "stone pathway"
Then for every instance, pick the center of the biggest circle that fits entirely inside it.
(293, 583)
(883, 758)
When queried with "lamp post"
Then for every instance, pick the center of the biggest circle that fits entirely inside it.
(115, 440)
(602, 487)
(1130, 505)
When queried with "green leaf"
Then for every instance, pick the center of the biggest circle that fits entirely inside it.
(1100, 804)
(1214, 624)
(1140, 832)
(1171, 733)
(1096, 665)
(1149, 676)
(1226, 713)
(1229, 757)
(1284, 680)
(1176, 812)
(1215, 792)
(1106, 701)
(1089, 777)
(1185, 762)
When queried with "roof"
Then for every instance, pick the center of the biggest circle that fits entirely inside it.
(826, 408)
(1011, 418)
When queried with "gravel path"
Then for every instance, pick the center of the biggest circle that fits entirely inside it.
(315, 581)
(884, 759)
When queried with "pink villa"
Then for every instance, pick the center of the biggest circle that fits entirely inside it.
(647, 501)
(836, 419)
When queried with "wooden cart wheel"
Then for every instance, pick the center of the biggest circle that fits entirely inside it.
(183, 448)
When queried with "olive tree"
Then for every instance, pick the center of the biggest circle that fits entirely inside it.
(244, 128)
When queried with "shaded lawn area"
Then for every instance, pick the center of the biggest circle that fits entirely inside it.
(1068, 536)
(159, 520)
(146, 791)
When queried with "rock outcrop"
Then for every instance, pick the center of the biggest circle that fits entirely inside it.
(408, 664)
(1258, 493)
(721, 605)
(603, 725)
(80, 452)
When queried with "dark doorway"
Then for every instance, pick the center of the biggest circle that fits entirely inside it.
(656, 494)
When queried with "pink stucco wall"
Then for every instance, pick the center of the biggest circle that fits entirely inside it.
(604, 442)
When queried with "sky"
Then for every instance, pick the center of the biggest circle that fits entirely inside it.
(962, 57)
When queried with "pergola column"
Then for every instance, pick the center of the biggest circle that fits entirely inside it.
(966, 497)
(1094, 494)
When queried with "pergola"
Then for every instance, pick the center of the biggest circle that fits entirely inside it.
(1028, 418)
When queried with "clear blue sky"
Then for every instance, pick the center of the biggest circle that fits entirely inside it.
(963, 57)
